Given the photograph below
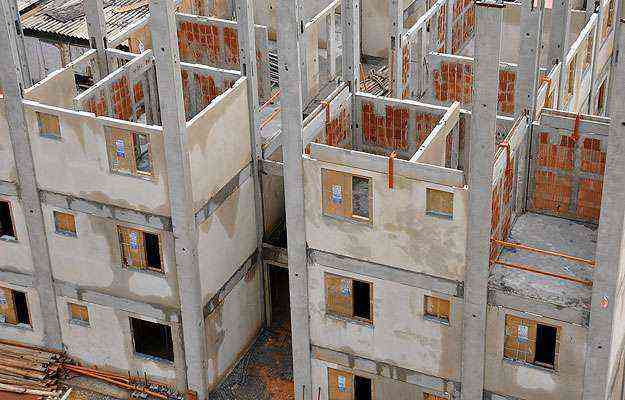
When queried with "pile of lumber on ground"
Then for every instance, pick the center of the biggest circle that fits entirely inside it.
(30, 369)
(377, 82)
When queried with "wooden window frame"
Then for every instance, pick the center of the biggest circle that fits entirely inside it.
(63, 232)
(150, 356)
(436, 213)
(144, 256)
(529, 353)
(130, 153)
(347, 212)
(42, 124)
(351, 315)
(350, 393)
(17, 324)
(11, 216)
(78, 321)
(439, 315)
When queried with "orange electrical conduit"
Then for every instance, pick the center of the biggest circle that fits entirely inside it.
(547, 252)
(539, 272)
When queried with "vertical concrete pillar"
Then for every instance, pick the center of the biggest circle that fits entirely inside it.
(350, 19)
(167, 57)
(290, 52)
(560, 23)
(12, 86)
(331, 44)
(489, 20)
(396, 13)
(606, 334)
(96, 25)
(14, 15)
(530, 49)
(249, 68)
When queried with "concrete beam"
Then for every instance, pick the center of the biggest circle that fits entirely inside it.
(560, 25)
(165, 45)
(249, 68)
(12, 86)
(350, 18)
(96, 26)
(488, 31)
(290, 53)
(606, 315)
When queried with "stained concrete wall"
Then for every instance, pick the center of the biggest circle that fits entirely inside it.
(233, 326)
(15, 255)
(531, 382)
(402, 234)
(219, 143)
(399, 335)
(384, 388)
(49, 90)
(78, 165)
(273, 197)
(226, 239)
(7, 163)
(33, 334)
(265, 11)
(96, 262)
(107, 342)
(376, 24)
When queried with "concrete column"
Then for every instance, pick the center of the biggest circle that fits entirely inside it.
(396, 13)
(10, 80)
(606, 334)
(350, 20)
(249, 68)
(331, 48)
(560, 22)
(167, 57)
(14, 16)
(290, 53)
(96, 25)
(489, 20)
(530, 50)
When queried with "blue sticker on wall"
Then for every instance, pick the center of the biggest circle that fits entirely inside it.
(120, 148)
(133, 241)
(337, 194)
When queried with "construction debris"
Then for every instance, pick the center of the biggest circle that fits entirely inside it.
(30, 369)
(376, 82)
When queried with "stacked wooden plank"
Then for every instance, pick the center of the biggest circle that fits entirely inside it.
(30, 369)
(376, 82)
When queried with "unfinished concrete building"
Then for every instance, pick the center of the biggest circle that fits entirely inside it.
(228, 174)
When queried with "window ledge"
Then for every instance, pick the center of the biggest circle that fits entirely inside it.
(10, 239)
(145, 177)
(66, 234)
(355, 321)
(528, 365)
(21, 327)
(353, 220)
(439, 215)
(436, 320)
(150, 271)
(52, 136)
(79, 323)
(154, 358)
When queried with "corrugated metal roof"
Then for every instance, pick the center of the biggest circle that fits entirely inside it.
(67, 18)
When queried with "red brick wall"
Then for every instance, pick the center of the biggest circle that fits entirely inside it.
(338, 129)
(390, 130)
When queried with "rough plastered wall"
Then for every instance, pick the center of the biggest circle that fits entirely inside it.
(232, 327)
(375, 27)
(226, 239)
(399, 335)
(33, 334)
(218, 141)
(15, 255)
(529, 382)
(273, 197)
(265, 11)
(48, 90)
(402, 235)
(107, 342)
(78, 164)
(383, 387)
(93, 260)
(7, 164)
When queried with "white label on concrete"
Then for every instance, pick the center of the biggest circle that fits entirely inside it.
(523, 334)
(337, 194)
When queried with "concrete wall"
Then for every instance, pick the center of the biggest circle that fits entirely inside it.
(219, 143)
(49, 90)
(226, 239)
(7, 164)
(402, 235)
(33, 334)
(108, 343)
(78, 164)
(96, 264)
(265, 11)
(15, 255)
(530, 382)
(399, 335)
(383, 387)
(233, 326)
